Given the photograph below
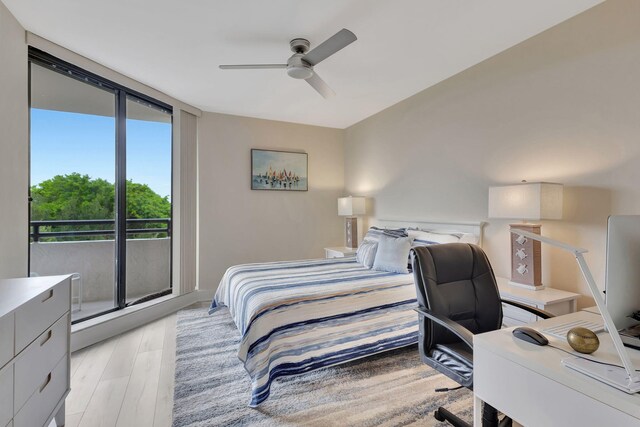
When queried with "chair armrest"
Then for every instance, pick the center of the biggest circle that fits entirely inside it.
(530, 309)
(460, 331)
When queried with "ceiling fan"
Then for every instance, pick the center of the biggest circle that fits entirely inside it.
(300, 64)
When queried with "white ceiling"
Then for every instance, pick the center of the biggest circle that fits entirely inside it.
(403, 46)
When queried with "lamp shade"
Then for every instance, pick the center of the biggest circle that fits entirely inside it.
(529, 201)
(351, 206)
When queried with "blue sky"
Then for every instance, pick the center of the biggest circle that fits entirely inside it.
(62, 143)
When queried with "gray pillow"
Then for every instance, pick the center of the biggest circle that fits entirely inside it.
(374, 233)
(366, 253)
(392, 254)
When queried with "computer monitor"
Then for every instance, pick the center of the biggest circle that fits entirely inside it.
(622, 281)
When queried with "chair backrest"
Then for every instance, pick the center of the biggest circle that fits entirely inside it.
(455, 280)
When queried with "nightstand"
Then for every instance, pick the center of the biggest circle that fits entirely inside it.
(552, 300)
(339, 252)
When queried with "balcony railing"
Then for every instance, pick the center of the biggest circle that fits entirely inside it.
(64, 247)
(161, 226)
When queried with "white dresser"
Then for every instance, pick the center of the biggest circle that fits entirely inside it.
(34, 350)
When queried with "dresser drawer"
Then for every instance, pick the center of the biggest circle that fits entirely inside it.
(41, 312)
(46, 397)
(38, 359)
(6, 394)
(6, 340)
(518, 314)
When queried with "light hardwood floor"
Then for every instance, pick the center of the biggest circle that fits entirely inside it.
(126, 380)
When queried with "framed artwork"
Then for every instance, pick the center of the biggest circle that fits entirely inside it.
(279, 170)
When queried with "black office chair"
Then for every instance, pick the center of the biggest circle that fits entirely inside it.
(457, 298)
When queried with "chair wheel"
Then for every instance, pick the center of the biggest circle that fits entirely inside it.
(438, 416)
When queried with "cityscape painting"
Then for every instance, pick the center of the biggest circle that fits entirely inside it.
(278, 170)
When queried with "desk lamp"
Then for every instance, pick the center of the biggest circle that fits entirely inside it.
(627, 380)
(526, 201)
(351, 207)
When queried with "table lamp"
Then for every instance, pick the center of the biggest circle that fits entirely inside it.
(351, 207)
(526, 201)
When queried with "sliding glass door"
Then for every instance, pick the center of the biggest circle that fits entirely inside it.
(100, 191)
(73, 129)
(148, 201)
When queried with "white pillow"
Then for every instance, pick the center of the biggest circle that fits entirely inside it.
(392, 254)
(366, 253)
(424, 238)
(469, 238)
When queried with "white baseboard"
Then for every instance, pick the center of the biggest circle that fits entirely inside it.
(100, 328)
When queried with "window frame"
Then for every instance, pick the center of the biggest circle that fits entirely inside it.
(121, 92)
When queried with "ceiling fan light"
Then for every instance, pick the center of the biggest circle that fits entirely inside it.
(299, 72)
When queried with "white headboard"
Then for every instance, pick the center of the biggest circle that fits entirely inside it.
(476, 228)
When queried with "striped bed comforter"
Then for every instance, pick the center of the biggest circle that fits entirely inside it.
(298, 316)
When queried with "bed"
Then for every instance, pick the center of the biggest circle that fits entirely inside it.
(299, 316)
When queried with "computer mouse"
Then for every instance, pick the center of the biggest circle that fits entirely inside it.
(530, 335)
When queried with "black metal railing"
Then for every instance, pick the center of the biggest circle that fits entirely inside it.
(138, 228)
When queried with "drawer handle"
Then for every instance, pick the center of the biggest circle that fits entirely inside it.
(48, 296)
(47, 338)
(46, 383)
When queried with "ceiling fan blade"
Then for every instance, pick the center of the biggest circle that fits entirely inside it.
(330, 46)
(319, 85)
(252, 66)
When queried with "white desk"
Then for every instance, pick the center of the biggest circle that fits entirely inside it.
(592, 309)
(528, 382)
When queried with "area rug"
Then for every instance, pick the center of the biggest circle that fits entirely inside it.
(390, 389)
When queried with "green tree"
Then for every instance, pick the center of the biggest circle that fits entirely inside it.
(143, 202)
(79, 197)
(72, 196)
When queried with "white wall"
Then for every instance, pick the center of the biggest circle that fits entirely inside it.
(13, 147)
(563, 106)
(239, 225)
